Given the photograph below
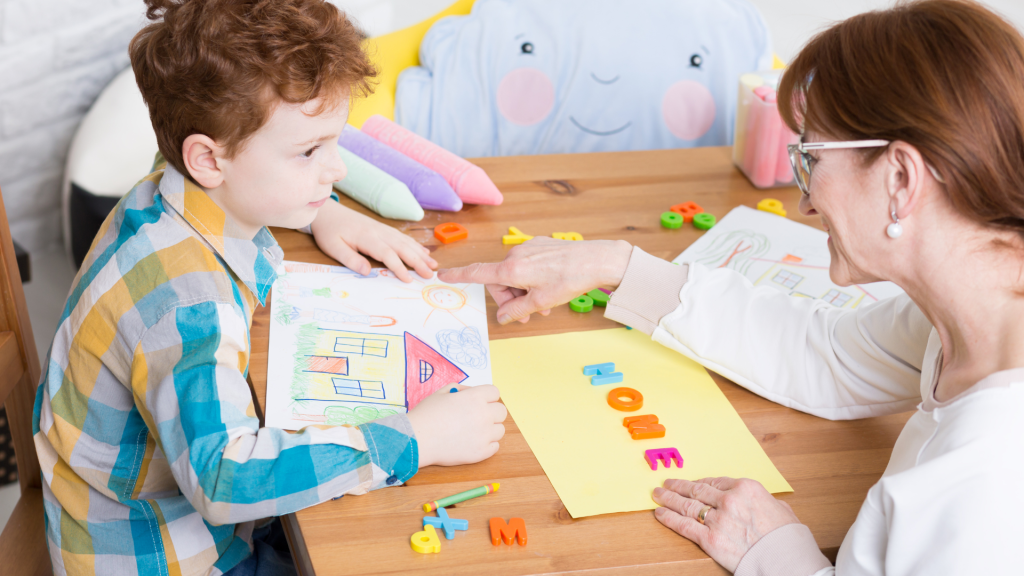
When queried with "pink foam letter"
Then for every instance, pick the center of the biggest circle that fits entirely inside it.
(666, 455)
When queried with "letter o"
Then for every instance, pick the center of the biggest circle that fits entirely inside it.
(634, 402)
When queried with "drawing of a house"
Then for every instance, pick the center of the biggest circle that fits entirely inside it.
(796, 279)
(376, 370)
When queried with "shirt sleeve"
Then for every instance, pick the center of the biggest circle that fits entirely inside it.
(788, 550)
(187, 378)
(800, 352)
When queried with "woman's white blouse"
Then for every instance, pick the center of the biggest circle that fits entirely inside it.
(950, 500)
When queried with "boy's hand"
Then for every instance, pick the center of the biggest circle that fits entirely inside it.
(343, 233)
(459, 428)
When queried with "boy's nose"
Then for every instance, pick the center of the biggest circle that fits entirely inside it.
(336, 169)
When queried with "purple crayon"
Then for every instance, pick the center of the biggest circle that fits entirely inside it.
(429, 188)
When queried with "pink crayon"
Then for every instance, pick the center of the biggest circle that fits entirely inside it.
(468, 180)
(766, 142)
(783, 169)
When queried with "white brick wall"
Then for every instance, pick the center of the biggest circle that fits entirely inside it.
(55, 58)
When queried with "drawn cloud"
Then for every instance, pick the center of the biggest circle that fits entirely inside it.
(464, 346)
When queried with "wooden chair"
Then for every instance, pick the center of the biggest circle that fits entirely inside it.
(23, 541)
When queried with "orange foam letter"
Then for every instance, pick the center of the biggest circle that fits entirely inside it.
(514, 530)
(644, 427)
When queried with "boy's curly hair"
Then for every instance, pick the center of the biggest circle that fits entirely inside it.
(219, 67)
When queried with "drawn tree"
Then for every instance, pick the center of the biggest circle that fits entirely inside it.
(737, 250)
(305, 343)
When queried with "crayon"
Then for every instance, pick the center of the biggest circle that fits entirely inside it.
(468, 180)
(377, 190)
(427, 186)
(748, 83)
(461, 497)
(764, 140)
(783, 168)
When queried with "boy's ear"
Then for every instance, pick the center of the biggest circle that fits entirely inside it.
(200, 154)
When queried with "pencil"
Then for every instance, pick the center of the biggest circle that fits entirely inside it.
(461, 497)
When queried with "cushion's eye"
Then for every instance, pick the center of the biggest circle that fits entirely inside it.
(527, 48)
(696, 61)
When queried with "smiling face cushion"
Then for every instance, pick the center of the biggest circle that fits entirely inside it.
(542, 77)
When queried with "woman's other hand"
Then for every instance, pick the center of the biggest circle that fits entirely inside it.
(742, 512)
(543, 273)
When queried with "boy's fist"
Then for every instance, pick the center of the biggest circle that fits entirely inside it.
(459, 428)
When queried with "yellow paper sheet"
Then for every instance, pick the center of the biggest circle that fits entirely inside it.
(593, 463)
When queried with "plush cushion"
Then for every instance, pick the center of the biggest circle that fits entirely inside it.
(537, 77)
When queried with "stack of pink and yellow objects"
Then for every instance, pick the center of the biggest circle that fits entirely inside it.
(761, 138)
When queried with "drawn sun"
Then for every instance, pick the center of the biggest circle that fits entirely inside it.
(442, 297)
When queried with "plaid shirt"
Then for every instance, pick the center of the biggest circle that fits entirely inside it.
(153, 459)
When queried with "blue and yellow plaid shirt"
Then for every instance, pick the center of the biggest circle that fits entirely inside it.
(153, 459)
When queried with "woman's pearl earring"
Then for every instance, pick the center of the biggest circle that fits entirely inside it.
(894, 230)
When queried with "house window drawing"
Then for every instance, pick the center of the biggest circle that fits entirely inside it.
(836, 298)
(361, 388)
(327, 364)
(801, 280)
(361, 346)
(787, 279)
(378, 370)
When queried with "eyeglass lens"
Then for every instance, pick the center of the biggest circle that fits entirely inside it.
(801, 168)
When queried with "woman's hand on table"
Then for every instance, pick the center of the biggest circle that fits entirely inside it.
(344, 234)
(742, 513)
(543, 273)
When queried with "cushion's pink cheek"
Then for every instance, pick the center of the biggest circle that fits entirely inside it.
(688, 109)
(525, 96)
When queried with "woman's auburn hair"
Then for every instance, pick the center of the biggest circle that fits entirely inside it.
(219, 67)
(946, 76)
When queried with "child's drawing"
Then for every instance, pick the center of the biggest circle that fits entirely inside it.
(444, 297)
(782, 254)
(351, 356)
(306, 267)
(736, 250)
(464, 346)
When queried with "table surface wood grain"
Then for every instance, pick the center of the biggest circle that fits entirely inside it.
(618, 195)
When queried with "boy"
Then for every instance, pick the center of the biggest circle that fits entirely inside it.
(153, 460)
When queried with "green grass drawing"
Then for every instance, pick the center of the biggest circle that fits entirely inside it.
(338, 415)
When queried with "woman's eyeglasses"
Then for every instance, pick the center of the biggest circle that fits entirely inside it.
(802, 161)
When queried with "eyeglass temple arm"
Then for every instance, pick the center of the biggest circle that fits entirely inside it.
(853, 144)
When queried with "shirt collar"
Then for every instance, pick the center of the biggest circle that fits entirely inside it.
(254, 260)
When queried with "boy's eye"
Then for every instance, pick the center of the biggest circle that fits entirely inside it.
(309, 152)
(526, 48)
(696, 61)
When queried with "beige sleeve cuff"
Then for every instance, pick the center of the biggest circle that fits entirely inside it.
(789, 550)
(649, 290)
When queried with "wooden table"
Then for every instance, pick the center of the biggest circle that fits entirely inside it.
(621, 195)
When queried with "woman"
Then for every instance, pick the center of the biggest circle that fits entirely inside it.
(922, 185)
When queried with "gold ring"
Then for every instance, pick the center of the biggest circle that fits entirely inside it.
(703, 514)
